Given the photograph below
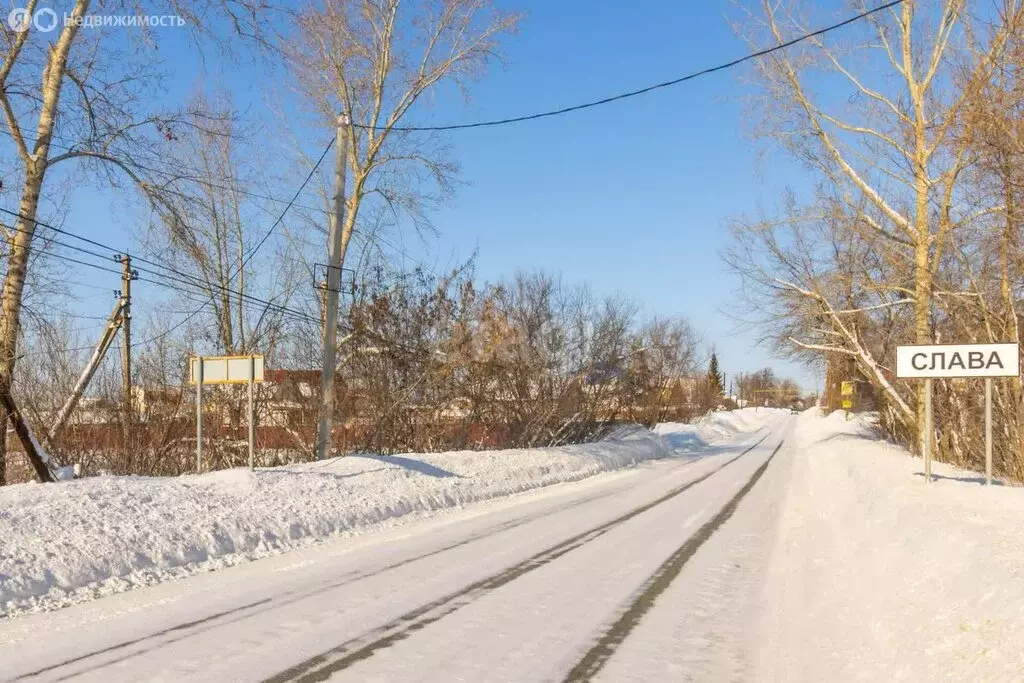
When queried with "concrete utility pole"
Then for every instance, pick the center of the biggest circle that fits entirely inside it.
(326, 414)
(126, 339)
(114, 323)
(322, 286)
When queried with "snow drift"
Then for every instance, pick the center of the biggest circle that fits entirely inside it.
(880, 576)
(712, 428)
(61, 544)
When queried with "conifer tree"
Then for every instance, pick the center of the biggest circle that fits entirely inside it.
(716, 383)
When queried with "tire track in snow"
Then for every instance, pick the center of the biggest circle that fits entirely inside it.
(595, 658)
(321, 667)
(242, 612)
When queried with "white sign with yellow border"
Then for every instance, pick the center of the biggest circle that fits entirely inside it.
(226, 369)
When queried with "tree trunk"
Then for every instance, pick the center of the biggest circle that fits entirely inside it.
(922, 323)
(36, 165)
(12, 294)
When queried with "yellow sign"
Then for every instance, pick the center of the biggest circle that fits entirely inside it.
(847, 389)
(847, 403)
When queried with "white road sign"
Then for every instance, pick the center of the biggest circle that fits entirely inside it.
(958, 360)
(226, 369)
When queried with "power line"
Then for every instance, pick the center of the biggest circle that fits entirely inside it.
(464, 126)
(64, 257)
(243, 298)
(245, 261)
(84, 285)
(184, 278)
(202, 296)
(503, 121)
(491, 123)
(50, 240)
(196, 284)
(114, 252)
(644, 90)
(291, 202)
(252, 253)
(625, 95)
(76, 316)
(245, 303)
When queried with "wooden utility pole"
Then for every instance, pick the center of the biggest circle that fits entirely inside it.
(334, 246)
(126, 341)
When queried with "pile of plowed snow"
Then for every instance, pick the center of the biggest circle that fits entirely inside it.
(878, 575)
(715, 427)
(68, 542)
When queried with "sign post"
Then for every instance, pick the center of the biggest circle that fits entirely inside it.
(929, 430)
(951, 361)
(988, 431)
(199, 418)
(252, 412)
(225, 370)
(846, 391)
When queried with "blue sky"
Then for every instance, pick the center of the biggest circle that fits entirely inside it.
(632, 197)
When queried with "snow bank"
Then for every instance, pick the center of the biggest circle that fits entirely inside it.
(715, 427)
(877, 575)
(61, 544)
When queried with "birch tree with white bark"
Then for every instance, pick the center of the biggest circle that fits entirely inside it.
(876, 113)
(81, 94)
(379, 62)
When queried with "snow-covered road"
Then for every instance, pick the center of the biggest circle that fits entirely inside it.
(651, 573)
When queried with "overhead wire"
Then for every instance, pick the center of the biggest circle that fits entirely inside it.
(182, 277)
(50, 240)
(537, 115)
(448, 127)
(245, 261)
(197, 285)
(642, 91)
(64, 257)
(252, 252)
(557, 112)
(188, 284)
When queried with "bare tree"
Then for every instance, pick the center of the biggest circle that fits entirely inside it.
(206, 234)
(374, 61)
(90, 92)
(665, 362)
(893, 164)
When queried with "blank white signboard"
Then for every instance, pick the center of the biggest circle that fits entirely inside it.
(226, 369)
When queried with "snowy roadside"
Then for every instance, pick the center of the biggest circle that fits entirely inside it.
(714, 428)
(62, 544)
(877, 575)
